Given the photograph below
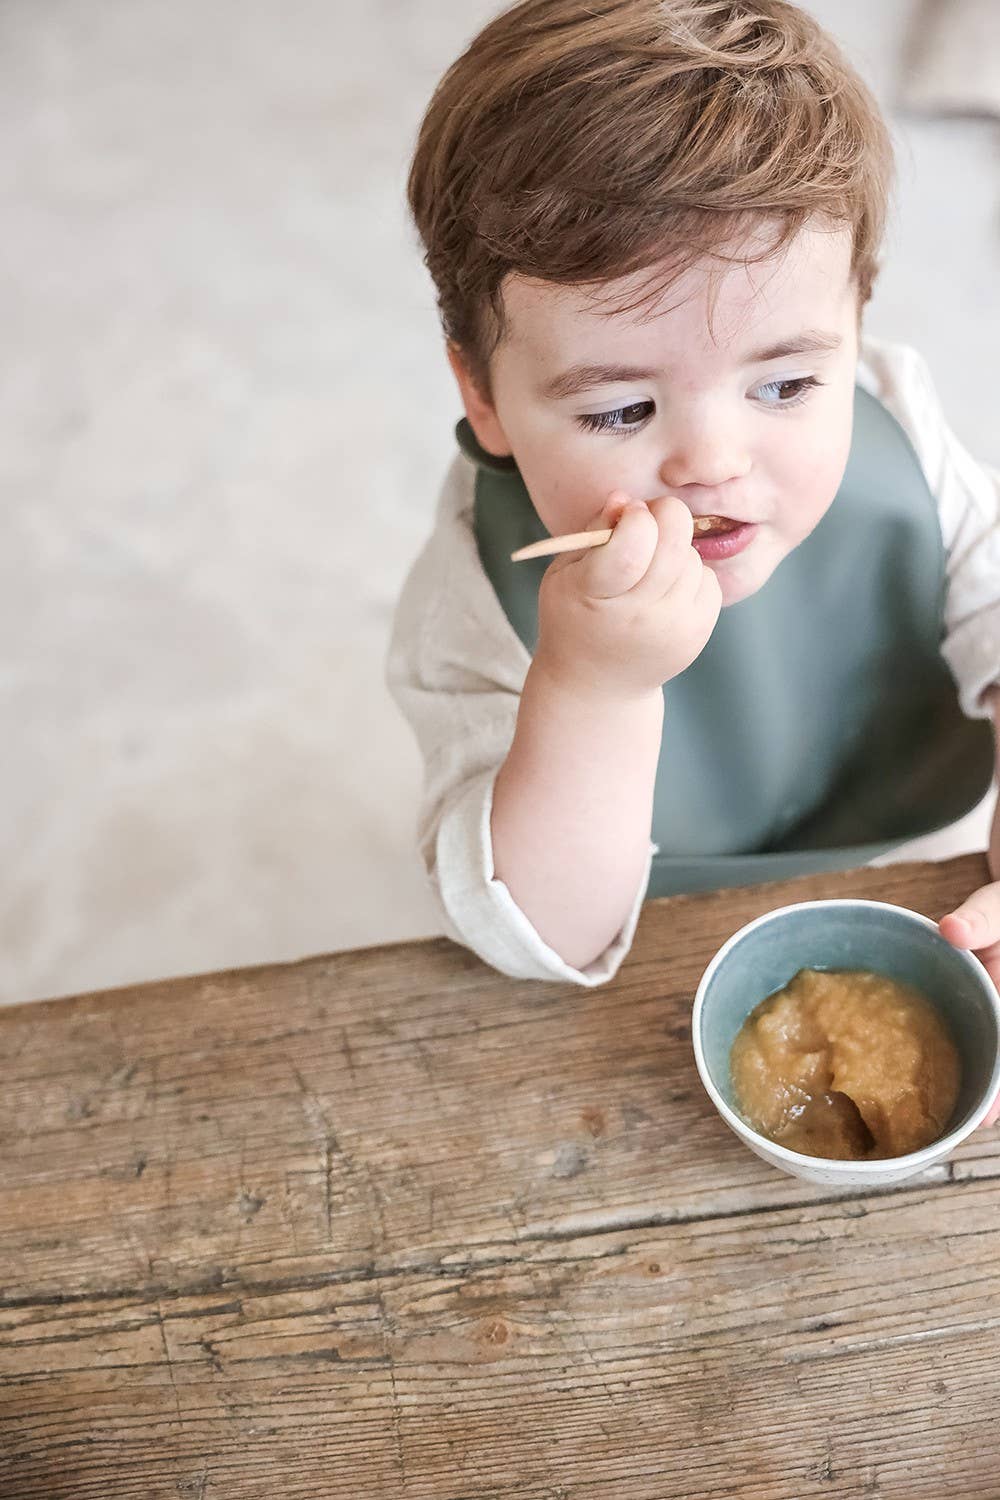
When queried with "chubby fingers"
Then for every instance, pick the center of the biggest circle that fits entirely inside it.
(606, 572)
(674, 557)
(650, 550)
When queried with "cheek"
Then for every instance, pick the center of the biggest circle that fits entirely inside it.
(810, 476)
(568, 488)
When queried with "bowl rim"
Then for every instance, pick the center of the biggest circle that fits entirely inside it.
(838, 1166)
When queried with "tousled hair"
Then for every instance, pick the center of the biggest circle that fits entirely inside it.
(580, 141)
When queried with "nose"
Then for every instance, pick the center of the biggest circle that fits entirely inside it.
(703, 453)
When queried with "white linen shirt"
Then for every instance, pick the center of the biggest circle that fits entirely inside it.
(456, 668)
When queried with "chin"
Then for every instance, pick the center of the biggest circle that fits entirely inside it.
(734, 594)
(743, 577)
(738, 586)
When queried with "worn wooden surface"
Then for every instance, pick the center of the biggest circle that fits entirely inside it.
(388, 1224)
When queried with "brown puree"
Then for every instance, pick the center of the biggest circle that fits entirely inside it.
(846, 1064)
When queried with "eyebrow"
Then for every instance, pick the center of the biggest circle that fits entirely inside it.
(584, 377)
(809, 342)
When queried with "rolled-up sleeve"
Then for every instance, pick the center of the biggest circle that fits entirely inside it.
(456, 669)
(480, 909)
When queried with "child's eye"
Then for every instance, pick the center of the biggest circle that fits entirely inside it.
(624, 419)
(789, 392)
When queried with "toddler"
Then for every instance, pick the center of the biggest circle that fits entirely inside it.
(653, 227)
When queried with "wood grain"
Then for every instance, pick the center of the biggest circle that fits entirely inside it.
(386, 1223)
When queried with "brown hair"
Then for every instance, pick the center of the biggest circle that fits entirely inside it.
(579, 141)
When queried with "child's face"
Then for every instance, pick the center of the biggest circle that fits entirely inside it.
(725, 423)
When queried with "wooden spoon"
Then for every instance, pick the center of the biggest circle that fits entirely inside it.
(576, 541)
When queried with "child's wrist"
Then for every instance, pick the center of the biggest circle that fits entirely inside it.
(552, 677)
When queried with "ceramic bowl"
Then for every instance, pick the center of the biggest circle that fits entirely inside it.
(763, 956)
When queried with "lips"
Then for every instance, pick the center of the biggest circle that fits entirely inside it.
(727, 538)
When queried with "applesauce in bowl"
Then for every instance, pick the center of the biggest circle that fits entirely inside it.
(846, 1064)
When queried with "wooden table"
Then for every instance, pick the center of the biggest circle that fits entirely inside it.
(388, 1224)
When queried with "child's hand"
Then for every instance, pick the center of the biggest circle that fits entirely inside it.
(619, 621)
(976, 925)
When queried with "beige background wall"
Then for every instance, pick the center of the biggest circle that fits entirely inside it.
(225, 413)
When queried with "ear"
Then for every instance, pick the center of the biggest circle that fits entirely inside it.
(479, 408)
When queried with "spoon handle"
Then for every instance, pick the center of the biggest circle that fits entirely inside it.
(550, 545)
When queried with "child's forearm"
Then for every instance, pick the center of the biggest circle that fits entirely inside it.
(572, 811)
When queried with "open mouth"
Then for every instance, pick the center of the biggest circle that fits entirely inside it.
(714, 525)
(718, 538)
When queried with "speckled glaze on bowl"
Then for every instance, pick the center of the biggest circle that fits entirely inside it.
(763, 956)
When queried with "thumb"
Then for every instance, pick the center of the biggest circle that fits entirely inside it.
(959, 927)
(976, 923)
(610, 513)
